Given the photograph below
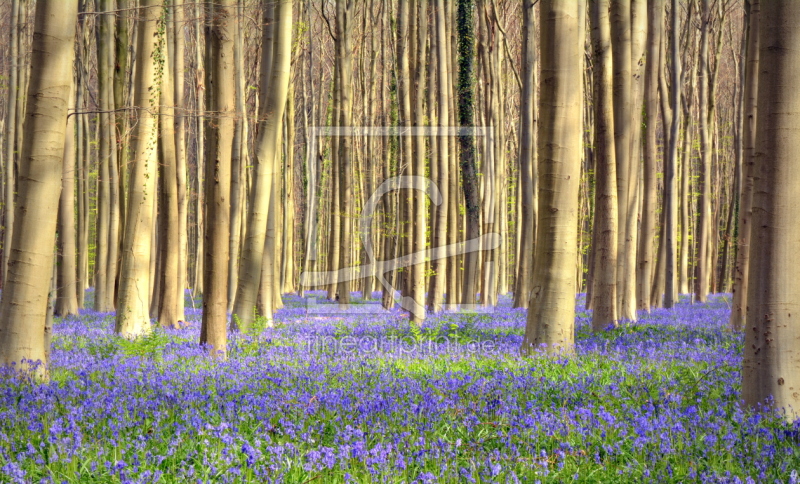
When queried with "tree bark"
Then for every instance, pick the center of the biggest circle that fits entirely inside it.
(646, 255)
(605, 233)
(23, 307)
(67, 298)
(134, 287)
(742, 268)
(621, 50)
(770, 372)
(702, 269)
(271, 116)
(551, 314)
(213, 331)
(169, 246)
(670, 189)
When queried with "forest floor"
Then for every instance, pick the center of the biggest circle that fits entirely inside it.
(364, 397)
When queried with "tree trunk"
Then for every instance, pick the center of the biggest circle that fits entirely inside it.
(465, 23)
(169, 242)
(213, 331)
(626, 168)
(419, 229)
(740, 285)
(180, 154)
(134, 286)
(551, 314)
(345, 143)
(103, 301)
(770, 373)
(67, 299)
(528, 162)
(271, 115)
(646, 255)
(605, 233)
(670, 169)
(702, 269)
(23, 307)
(11, 126)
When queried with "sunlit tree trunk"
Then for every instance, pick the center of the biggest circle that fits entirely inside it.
(345, 146)
(169, 242)
(67, 300)
(770, 373)
(528, 163)
(271, 117)
(180, 153)
(134, 286)
(11, 126)
(23, 307)
(103, 301)
(670, 168)
(702, 269)
(740, 285)
(605, 224)
(419, 229)
(646, 255)
(551, 314)
(621, 50)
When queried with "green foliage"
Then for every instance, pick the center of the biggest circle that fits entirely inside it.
(148, 346)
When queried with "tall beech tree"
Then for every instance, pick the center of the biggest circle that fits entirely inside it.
(218, 178)
(133, 305)
(551, 314)
(465, 23)
(23, 305)
(770, 367)
(605, 225)
(265, 166)
(742, 266)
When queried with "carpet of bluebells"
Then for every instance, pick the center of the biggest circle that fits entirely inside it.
(362, 396)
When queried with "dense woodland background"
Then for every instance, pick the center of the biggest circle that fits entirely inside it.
(195, 158)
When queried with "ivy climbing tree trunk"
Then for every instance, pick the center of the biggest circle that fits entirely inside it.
(133, 306)
(465, 23)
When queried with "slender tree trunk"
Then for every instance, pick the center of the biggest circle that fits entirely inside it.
(551, 314)
(271, 116)
(644, 278)
(11, 126)
(134, 290)
(345, 143)
(180, 154)
(623, 129)
(213, 331)
(702, 269)
(67, 300)
(740, 284)
(605, 224)
(103, 301)
(528, 163)
(419, 229)
(770, 373)
(170, 290)
(469, 177)
(24, 303)
(670, 169)
(638, 72)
